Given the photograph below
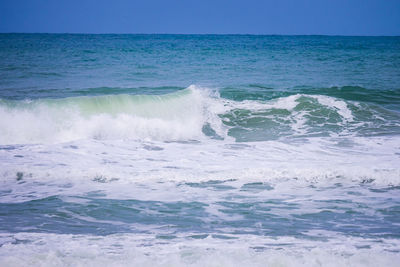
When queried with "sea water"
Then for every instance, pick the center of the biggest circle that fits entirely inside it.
(199, 150)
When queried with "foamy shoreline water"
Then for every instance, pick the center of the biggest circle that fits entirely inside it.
(196, 250)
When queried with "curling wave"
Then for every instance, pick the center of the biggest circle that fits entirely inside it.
(176, 116)
(191, 114)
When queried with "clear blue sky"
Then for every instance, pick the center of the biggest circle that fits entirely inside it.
(332, 17)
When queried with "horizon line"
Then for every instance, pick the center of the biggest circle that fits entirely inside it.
(252, 34)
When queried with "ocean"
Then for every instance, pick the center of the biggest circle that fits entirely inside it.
(199, 150)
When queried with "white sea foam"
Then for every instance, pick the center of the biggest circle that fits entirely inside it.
(117, 166)
(25, 249)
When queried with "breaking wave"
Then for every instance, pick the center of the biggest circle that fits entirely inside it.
(191, 114)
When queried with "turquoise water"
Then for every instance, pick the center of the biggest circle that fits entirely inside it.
(203, 150)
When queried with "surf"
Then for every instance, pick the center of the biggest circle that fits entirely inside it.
(176, 116)
(194, 113)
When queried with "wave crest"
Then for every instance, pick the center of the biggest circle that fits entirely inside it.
(176, 116)
(194, 113)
